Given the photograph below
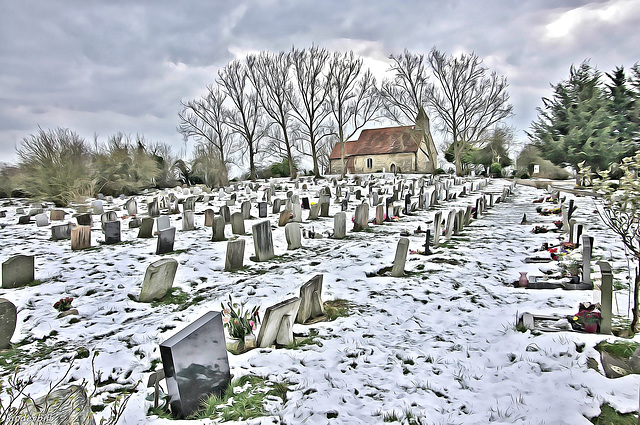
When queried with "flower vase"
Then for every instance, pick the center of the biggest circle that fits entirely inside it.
(234, 345)
(591, 328)
(249, 342)
(523, 281)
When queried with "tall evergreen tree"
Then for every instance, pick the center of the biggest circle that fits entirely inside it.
(623, 111)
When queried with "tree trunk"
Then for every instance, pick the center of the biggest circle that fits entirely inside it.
(314, 155)
(457, 155)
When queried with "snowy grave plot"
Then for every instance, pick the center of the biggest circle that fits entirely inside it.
(195, 364)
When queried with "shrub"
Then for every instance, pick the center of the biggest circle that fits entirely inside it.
(55, 165)
(530, 156)
(496, 169)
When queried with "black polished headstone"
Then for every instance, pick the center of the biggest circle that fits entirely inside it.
(165, 240)
(84, 219)
(344, 205)
(427, 251)
(305, 203)
(195, 364)
(262, 209)
(226, 213)
(111, 232)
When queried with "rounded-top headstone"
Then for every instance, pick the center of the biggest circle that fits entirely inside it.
(8, 316)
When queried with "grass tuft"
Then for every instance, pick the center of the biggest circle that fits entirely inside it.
(620, 349)
(610, 416)
(337, 308)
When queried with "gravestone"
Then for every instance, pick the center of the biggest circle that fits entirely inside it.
(189, 203)
(163, 222)
(146, 228)
(234, 259)
(41, 220)
(63, 406)
(153, 210)
(262, 209)
(55, 215)
(218, 229)
(84, 219)
(344, 205)
(237, 223)
(305, 203)
(297, 212)
(188, 220)
(293, 236)
(132, 206)
(579, 229)
(314, 212)
(451, 218)
(401, 258)
(8, 318)
(467, 215)
(17, 271)
(97, 207)
(324, 209)
(111, 232)
(437, 228)
(276, 206)
(587, 249)
(459, 222)
(195, 364)
(379, 214)
(80, 238)
(361, 220)
(158, 280)
(427, 242)
(166, 237)
(277, 324)
(340, 225)
(108, 216)
(606, 297)
(61, 231)
(407, 203)
(245, 209)
(285, 216)
(225, 212)
(388, 203)
(262, 241)
(208, 217)
(310, 300)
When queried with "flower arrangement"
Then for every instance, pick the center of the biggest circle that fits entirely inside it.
(64, 304)
(238, 321)
(569, 246)
(558, 223)
(540, 229)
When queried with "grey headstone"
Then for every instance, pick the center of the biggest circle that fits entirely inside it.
(587, 249)
(153, 210)
(451, 217)
(64, 406)
(189, 203)
(340, 225)
(379, 214)
(208, 217)
(132, 206)
(111, 232)
(401, 258)
(146, 228)
(108, 216)
(262, 241)
(41, 220)
(314, 211)
(297, 212)
(276, 206)
(188, 220)
(135, 222)
(80, 237)
(437, 228)
(262, 209)
(293, 236)
(606, 297)
(361, 220)
(324, 209)
(98, 209)
(61, 231)
(8, 317)
(163, 222)
(158, 279)
(218, 229)
(195, 364)
(277, 324)
(225, 213)
(235, 255)
(166, 237)
(310, 300)
(237, 223)
(245, 209)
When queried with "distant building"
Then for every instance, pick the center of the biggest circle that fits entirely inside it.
(404, 149)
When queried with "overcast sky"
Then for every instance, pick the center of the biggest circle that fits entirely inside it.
(99, 67)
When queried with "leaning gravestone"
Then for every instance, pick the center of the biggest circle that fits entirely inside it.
(158, 280)
(314, 211)
(285, 216)
(111, 232)
(262, 241)
(235, 255)
(146, 228)
(437, 228)
(340, 225)
(166, 238)
(310, 300)
(8, 317)
(218, 229)
(401, 258)
(277, 324)
(195, 364)
(80, 238)
(84, 219)
(292, 234)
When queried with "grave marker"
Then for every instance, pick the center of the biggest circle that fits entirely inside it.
(188, 220)
(55, 215)
(606, 297)
(61, 231)
(41, 220)
(437, 228)
(400, 258)
(277, 325)
(262, 241)
(237, 223)
(245, 209)
(293, 236)
(361, 220)
(80, 238)
(310, 300)
(314, 211)
(17, 271)
(234, 259)
(84, 219)
(111, 232)
(132, 206)
(225, 213)
(163, 222)
(8, 319)
(146, 228)
(218, 229)
(285, 216)
(208, 217)
(153, 210)
(195, 364)
(262, 209)
(166, 237)
(340, 225)
(158, 280)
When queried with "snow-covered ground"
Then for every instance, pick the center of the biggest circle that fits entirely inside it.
(440, 342)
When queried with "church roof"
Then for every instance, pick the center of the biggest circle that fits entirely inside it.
(379, 141)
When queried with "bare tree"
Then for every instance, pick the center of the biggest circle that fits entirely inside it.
(308, 99)
(467, 101)
(204, 119)
(405, 96)
(271, 78)
(244, 118)
(353, 97)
